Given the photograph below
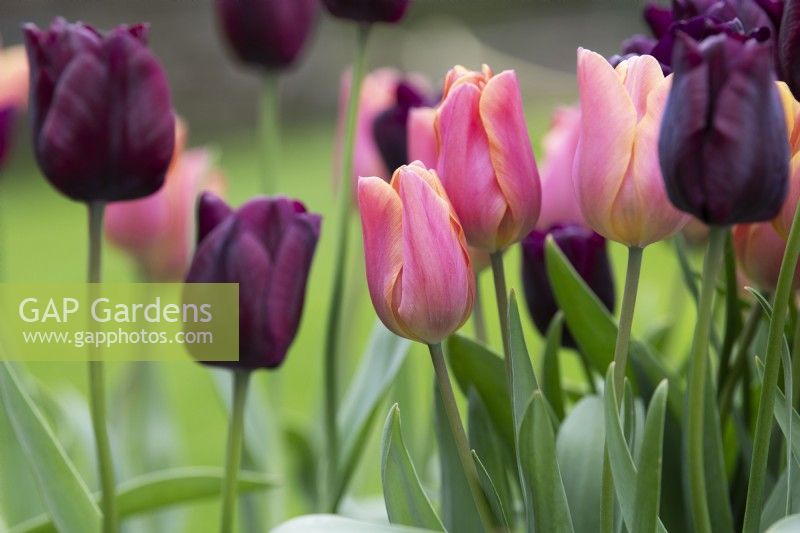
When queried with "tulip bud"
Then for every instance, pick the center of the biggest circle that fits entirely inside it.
(723, 146)
(616, 174)
(266, 246)
(559, 202)
(387, 97)
(759, 250)
(103, 124)
(585, 250)
(418, 267)
(368, 10)
(13, 93)
(267, 33)
(485, 157)
(158, 230)
(791, 108)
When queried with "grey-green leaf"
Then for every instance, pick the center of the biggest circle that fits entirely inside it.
(492, 495)
(547, 507)
(159, 490)
(406, 501)
(65, 495)
(648, 480)
(338, 524)
(790, 524)
(551, 368)
(523, 379)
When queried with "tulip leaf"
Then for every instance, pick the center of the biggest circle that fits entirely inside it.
(551, 367)
(775, 506)
(326, 523)
(523, 379)
(65, 496)
(494, 456)
(159, 490)
(406, 501)
(595, 330)
(580, 457)
(623, 468)
(380, 364)
(546, 500)
(790, 524)
(490, 490)
(457, 508)
(648, 479)
(475, 367)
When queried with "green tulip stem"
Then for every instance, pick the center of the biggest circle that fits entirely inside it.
(334, 323)
(269, 126)
(233, 454)
(772, 366)
(621, 347)
(478, 318)
(97, 392)
(698, 362)
(460, 436)
(501, 294)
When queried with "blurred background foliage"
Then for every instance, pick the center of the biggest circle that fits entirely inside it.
(172, 414)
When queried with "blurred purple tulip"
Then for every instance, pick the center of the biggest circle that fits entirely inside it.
(389, 127)
(723, 145)
(789, 46)
(266, 246)
(585, 250)
(368, 10)
(103, 123)
(267, 33)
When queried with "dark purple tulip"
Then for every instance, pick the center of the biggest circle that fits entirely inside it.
(103, 123)
(267, 33)
(723, 145)
(7, 119)
(266, 246)
(368, 10)
(585, 250)
(389, 128)
(789, 46)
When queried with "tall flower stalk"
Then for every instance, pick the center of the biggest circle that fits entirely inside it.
(334, 323)
(233, 454)
(269, 128)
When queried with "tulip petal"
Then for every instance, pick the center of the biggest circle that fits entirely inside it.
(382, 223)
(422, 145)
(437, 282)
(559, 203)
(512, 157)
(211, 211)
(466, 166)
(608, 123)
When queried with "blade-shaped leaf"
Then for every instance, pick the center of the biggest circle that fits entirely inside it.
(323, 523)
(580, 457)
(775, 507)
(648, 479)
(493, 496)
(551, 368)
(474, 366)
(719, 503)
(457, 507)
(790, 524)
(382, 360)
(406, 502)
(523, 379)
(159, 490)
(547, 508)
(64, 493)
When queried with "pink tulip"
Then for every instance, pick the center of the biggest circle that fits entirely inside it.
(759, 250)
(422, 143)
(13, 93)
(378, 93)
(617, 174)
(485, 157)
(158, 230)
(559, 203)
(783, 222)
(418, 269)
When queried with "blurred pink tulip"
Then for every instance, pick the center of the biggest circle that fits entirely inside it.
(13, 93)
(783, 222)
(158, 230)
(418, 268)
(617, 175)
(759, 250)
(378, 94)
(485, 157)
(559, 202)
(422, 144)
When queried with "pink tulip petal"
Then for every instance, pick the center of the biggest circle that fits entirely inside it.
(512, 157)
(559, 203)
(382, 227)
(421, 130)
